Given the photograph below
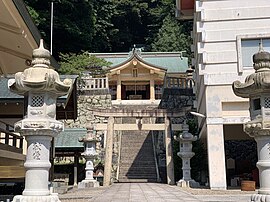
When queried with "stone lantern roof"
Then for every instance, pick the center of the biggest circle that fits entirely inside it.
(259, 81)
(39, 77)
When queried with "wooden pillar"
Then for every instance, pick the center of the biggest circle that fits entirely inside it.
(152, 88)
(169, 153)
(76, 162)
(118, 90)
(108, 152)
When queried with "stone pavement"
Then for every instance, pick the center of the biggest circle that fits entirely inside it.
(154, 192)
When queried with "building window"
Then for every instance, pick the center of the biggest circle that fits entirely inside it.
(135, 72)
(158, 91)
(247, 46)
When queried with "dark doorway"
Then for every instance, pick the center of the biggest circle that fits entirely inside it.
(136, 92)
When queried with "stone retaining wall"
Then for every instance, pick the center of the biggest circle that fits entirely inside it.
(86, 105)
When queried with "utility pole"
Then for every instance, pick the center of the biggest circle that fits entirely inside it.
(51, 26)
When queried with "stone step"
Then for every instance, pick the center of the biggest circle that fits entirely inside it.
(135, 168)
(125, 162)
(124, 180)
(138, 163)
(137, 157)
(131, 145)
(135, 149)
(138, 174)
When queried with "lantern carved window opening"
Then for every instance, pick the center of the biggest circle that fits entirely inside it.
(267, 102)
(37, 101)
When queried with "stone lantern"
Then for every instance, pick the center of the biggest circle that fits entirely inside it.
(185, 153)
(40, 85)
(89, 154)
(257, 88)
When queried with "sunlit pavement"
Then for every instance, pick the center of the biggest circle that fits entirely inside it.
(153, 192)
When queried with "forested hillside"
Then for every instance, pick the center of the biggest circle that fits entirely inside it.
(111, 25)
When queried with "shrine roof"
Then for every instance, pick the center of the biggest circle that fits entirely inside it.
(172, 62)
(69, 138)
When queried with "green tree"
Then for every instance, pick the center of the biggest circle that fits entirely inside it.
(104, 29)
(130, 21)
(73, 23)
(172, 36)
(109, 25)
(81, 63)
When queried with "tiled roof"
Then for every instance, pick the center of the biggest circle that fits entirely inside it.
(69, 138)
(6, 94)
(173, 62)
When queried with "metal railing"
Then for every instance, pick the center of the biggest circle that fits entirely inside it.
(89, 83)
(180, 83)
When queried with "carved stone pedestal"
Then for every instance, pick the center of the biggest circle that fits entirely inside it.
(41, 86)
(188, 183)
(89, 180)
(50, 198)
(89, 155)
(260, 198)
(185, 144)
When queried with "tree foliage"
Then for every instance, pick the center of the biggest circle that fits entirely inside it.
(83, 62)
(111, 25)
(172, 36)
(73, 23)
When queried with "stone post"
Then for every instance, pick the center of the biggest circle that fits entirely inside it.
(41, 86)
(257, 89)
(75, 169)
(89, 154)
(108, 152)
(169, 153)
(185, 153)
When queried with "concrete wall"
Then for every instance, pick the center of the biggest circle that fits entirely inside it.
(219, 28)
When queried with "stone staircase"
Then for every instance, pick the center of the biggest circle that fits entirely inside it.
(137, 163)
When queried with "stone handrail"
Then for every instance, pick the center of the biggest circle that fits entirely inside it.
(180, 83)
(155, 156)
(89, 83)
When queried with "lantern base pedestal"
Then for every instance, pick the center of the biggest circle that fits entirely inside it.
(88, 184)
(49, 198)
(188, 183)
(260, 198)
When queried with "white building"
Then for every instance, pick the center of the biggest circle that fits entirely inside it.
(226, 34)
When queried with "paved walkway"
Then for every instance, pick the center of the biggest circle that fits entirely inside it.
(154, 192)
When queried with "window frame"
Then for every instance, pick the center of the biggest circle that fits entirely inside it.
(239, 39)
